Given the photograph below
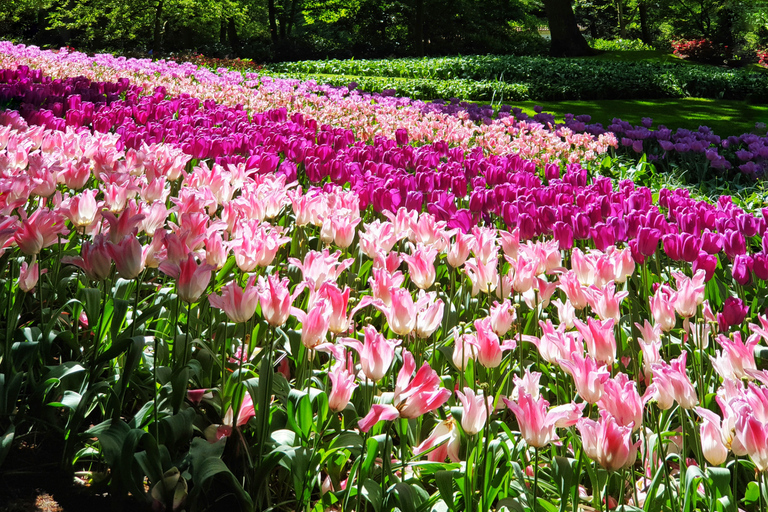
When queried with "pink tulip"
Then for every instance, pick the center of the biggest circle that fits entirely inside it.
(40, 230)
(588, 377)
(464, 349)
(377, 236)
(421, 266)
(338, 300)
(445, 436)
(126, 224)
(489, 350)
(319, 267)
(382, 283)
(663, 308)
(344, 229)
(485, 249)
(607, 442)
(605, 302)
(459, 248)
(671, 384)
(565, 312)
(502, 317)
(524, 277)
(584, 267)
(555, 344)
(314, 323)
(94, 259)
(475, 409)
(622, 401)
(128, 257)
(429, 316)
(342, 386)
(484, 276)
(238, 304)
(191, 278)
(413, 397)
(403, 313)
(428, 232)
(81, 209)
(753, 436)
(275, 299)
(376, 353)
(736, 357)
(690, 292)
(601, 343)
(537, 423)
(573, 289)
(29, 275)
(510, 242)
(712, 440)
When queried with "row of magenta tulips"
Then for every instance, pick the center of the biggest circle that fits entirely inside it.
(250, 326)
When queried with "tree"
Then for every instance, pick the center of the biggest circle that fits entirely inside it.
(567, 40)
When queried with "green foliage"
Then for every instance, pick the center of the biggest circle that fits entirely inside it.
(423, 88)
(552, 79)
(613, 45)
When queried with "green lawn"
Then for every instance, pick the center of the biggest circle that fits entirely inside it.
(725, 117)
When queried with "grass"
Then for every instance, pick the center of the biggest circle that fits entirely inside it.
(725, 117)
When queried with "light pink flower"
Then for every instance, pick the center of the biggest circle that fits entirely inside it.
(239, 304)
(622, 401)
(413, 397)
(444, 441)
(275, 299)
(588, 377)
(191, 278)
(502, 317)
(601, 343)
(29, 275)
(421, 266)
(476, 408)
(607, 442)
(489, 350)
(342, 386)
(690, 292)
(376, 353)
(538, 422)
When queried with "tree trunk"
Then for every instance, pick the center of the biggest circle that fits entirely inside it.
(645, 31)
(419, 28)
(294, 4)
(567, 41)
(234, 41)
(158, 26)
(622, 19)
(223, 30)
(272, 20)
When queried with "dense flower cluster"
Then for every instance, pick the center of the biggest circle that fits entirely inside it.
(243, 293)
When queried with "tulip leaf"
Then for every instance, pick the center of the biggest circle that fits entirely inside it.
(720, 484)
(444, 481)
(563, 470)
(371, 450)
(6, 442)
(372, 494)
(119, 312)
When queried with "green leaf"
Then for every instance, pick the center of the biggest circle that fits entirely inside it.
(6, 442)
(372, 494)
(444, 482)
(563, 470)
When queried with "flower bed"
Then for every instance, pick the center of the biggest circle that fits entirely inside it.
(213, 304)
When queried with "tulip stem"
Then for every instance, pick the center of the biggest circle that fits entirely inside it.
(535, 478)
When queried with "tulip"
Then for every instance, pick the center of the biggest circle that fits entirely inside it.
(376, 353)
(690, 293)
(94, 259)
(671, 384)
(239, 304)
(475, 410)
(464, 349)
(489, 350)
(737, 357)
(191, 278)
(663, 308)
(537, 423)
(413, 397)
(502, 317)
(40, 230)
(314, 323)
(601, 343)
(622, 401)
(734, 313)
(588, 377)
(429, 316)
(275, 299)
(29, 276)
(712, 441)
(607, 442)
(128, 257)
(342, 386)
(421, 266)
(753, 436)
(459, 249)
(445, 436)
